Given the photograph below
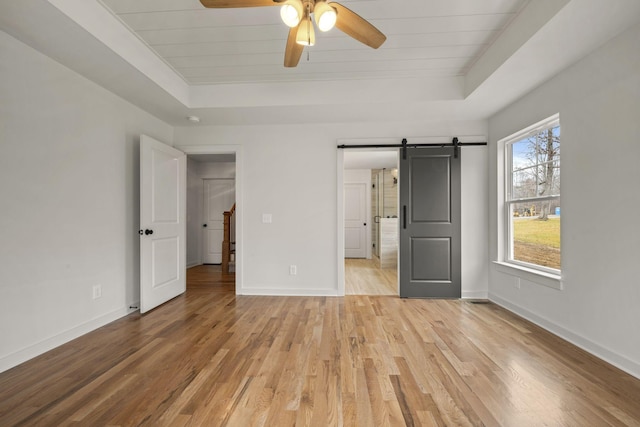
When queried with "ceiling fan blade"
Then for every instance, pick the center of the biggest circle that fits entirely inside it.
(293, 51)
(219, 4)
(357, 27)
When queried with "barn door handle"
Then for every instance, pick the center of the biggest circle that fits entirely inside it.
(147, 232)
(404, 216)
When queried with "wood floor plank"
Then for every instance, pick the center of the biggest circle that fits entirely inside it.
(212, 358)
(374, 390)
(364, 412)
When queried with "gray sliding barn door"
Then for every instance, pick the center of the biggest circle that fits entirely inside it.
(430, 224)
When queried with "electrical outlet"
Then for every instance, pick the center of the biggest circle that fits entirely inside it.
(293, 270)
(97, 291)
(267, 218)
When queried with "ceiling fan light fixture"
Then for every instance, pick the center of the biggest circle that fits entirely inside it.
(325, 16)
(306, 34)
(291, 13)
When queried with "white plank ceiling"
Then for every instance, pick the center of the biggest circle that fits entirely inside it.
(425, 38)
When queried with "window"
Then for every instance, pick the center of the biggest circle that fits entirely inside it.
(532, 197)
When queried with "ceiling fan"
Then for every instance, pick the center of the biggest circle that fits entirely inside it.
(297, 15)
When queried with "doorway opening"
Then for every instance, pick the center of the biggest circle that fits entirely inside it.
(370, 203)
(211, 221)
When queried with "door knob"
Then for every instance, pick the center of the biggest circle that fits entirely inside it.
(204, 225)
(147, 232)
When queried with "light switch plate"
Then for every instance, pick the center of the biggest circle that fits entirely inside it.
(266, 218)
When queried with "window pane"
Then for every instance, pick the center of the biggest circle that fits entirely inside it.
(545, 179)
(521, 155)
(546, 144)
(535, 165)
(535, 232)
(551, 178)
(525, 183)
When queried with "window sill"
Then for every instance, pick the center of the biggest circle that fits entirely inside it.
(541, 278)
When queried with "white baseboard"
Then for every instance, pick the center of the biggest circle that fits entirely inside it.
(288, 292)
(328, 292)
(20, 356)
(617, 360)
(193, 264)
(475, 294)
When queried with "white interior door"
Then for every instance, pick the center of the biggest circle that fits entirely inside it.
(355, 220)
(163, 173)
(219, 196)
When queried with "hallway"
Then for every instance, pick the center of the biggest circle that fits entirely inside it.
(365, 277)
(210, 276)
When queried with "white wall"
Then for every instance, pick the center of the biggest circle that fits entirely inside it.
(300, 162)
(599, 104)
(217, 170)
(475, 216)
(69, 185)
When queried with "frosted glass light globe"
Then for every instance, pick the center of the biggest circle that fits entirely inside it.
(325, 16)
(290, 15)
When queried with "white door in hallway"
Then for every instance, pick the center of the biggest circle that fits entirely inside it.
(355, 220)
(163, 206)
(219, 196)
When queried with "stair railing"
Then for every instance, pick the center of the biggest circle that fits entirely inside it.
(226, 242)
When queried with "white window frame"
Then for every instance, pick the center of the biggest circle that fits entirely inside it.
(536, 273)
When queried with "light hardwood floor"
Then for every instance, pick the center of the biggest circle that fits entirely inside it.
(365, 277)
(209, 358)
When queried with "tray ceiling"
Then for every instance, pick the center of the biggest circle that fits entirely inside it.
(425, 38)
